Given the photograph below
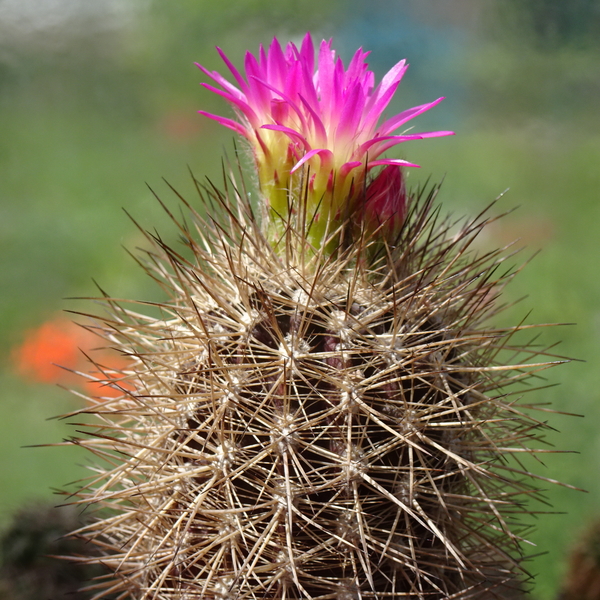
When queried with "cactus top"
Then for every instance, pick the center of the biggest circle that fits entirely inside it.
(323, 117)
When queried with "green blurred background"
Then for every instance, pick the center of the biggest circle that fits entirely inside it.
(99, 98)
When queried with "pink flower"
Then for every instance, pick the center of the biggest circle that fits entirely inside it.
(325, 119)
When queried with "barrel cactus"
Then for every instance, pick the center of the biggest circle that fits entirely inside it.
(323, 410)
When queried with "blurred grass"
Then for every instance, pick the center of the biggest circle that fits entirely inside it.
(85, 126)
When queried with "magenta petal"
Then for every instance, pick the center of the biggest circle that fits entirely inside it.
(369, 80)
(391, 161)
(398, 139)
(276, 64)
(387, 141)
(227, 122)
(292, 83)
(373, 110)
(347, 167)
(244, 107)
(356, 67)
(320, 131)
(241, 82)
(325, 76)
(399, 120)
(385, 90)
(338, 92)
(430, 134)
(351, 114)
(394, 75)
(262, 58)
(258, 95)
(308, 94)
(427, 134)
(307, 53)
(225, 94)
(324, 154)
(281, 94)
(221, 81)
(394, 140)
(291, 133)
(391, 79)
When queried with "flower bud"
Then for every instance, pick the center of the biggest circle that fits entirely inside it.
(385, 204)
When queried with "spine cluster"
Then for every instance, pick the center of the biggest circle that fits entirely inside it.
(341, 427)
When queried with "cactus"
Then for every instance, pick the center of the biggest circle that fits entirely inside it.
(323, 410)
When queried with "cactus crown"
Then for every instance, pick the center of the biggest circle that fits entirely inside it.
(314, 134)
(315, 416)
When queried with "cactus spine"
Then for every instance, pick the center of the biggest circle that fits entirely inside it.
(331, 420)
